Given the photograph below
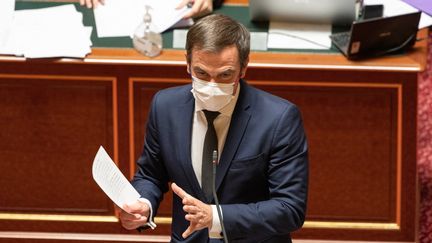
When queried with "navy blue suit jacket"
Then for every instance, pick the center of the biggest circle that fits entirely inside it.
(262, 175)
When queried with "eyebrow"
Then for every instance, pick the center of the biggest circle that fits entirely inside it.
(228, 70)
(199, 69)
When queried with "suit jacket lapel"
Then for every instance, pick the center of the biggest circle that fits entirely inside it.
(239, 122)
(184, 113)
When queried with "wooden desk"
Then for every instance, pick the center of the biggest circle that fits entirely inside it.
(360, 119)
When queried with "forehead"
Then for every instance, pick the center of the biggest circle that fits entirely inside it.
(228, 56)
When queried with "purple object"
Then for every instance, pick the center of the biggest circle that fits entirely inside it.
(422, 5)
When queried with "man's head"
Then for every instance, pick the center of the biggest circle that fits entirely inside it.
(214, 42)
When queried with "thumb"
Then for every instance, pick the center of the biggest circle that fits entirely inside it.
(133, 207)
(188, 232)
(126, 208)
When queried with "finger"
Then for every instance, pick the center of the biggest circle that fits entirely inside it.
(182, 4)
(178, 191)
(132, 221)
(136, 207)
(188, 231)
(190, 209)
(89, 3)
(82, 2)
(197, 6)
(127, 216)
(102, 2)
(193, 217)
(195, 9)
(124, 214)
(95, 3)
(133, 224)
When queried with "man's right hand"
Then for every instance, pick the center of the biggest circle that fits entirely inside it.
(134, 215)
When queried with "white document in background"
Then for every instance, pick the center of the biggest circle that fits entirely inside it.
(285, 35)
(48, 32)
(122, 17)
(7, 8)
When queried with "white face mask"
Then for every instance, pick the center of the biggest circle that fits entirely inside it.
(212, 96)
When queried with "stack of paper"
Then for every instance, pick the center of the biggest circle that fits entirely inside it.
(122, 18)
(48, 32)
(6, 17)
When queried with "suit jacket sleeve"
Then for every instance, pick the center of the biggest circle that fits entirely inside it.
(285, 209)
(151, 179)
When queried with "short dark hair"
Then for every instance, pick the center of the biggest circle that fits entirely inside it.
(215, 32)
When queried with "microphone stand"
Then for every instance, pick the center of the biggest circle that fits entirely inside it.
(215, 161)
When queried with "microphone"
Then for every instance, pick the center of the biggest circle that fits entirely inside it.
(215, 161)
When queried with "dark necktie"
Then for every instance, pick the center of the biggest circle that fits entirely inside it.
(210, 144)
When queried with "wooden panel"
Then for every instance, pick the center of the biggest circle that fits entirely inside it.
(51, 128)
(38, 237)
(352, 132)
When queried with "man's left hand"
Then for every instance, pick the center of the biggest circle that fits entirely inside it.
(199, 214)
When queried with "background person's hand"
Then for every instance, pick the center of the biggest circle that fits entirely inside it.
(199, 214)
(134, 215)
(199, 7)
(92, 3)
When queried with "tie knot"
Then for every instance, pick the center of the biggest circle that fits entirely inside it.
(210, 115)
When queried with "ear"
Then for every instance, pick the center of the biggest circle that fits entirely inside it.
(188, 68)
(244, 68)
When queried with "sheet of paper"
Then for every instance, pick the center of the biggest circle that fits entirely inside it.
(285, 35)
(121, 18)
(398, 7)
(48, 32)
(179, 38)
(258, 41)
(51, 45)
(6, 17)
(110, 179)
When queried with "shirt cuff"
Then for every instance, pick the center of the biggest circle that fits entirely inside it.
(150, 222)
(215, 231)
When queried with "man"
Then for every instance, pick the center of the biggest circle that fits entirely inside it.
(199, 7)
(262, 174)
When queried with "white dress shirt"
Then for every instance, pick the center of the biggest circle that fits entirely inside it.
(199, 129)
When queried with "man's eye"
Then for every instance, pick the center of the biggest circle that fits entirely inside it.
(202, 74)
(226, 75)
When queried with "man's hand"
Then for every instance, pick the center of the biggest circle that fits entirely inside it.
(199, 7)
(134, 215)
(198, 214)
(92, 3)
